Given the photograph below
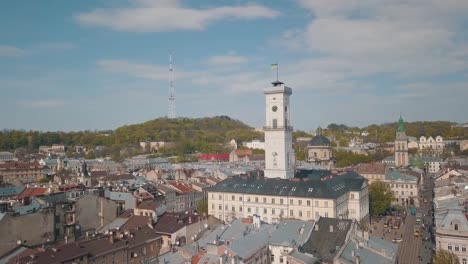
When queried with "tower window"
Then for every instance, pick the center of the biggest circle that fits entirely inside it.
(274, 108)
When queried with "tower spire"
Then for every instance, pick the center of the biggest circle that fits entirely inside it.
(171, 112)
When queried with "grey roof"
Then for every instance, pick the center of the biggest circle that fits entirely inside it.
(291, 233)
(317, 188)
(171, 258)
(305, 257)
(319, 140)
(11, 191)
(115, 224)
(27, 209)
(53, 198)
(325, 244)
(372, 253)
(248, 245)
(398, 176)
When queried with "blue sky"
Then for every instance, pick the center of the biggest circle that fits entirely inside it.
(75, 65)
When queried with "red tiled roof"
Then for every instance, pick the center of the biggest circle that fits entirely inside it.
(214, 157)
(16, 165)
(148, 205)
(30, 192)
(181, 187)
(372, 168)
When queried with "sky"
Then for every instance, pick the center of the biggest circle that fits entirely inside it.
(97, 64)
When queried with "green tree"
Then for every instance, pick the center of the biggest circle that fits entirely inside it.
(380, 197)
(445, 257)
(90, 155)
(202, 207)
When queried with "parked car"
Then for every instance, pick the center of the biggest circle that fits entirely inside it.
(397, 240)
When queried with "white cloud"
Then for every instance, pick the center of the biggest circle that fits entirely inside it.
(404, 39)
(226, 60)
(41, 103)
(148, 16)
(11, 51)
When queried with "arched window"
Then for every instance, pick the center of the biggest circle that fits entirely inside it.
(464, 261)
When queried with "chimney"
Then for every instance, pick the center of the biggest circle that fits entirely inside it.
(111, 238)
(316, 227)
(331, 228)
(190, 220)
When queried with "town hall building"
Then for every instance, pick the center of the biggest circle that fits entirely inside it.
(282, 192)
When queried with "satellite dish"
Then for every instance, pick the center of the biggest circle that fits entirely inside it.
(206, 225)
(18, 242)
(77, 227)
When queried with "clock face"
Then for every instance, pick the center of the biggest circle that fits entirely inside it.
(274, 108)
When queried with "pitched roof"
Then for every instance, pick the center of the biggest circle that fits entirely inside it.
(30, 192)
(11, 191)
(148, 205)
(170, 223)
(61, 254)
(372, 168)
(330, 236)
(332, 187)
(213, 156)
(398, 176)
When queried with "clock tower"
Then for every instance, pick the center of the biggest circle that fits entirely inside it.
(279, 154)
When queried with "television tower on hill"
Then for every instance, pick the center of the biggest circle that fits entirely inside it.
(172, 108)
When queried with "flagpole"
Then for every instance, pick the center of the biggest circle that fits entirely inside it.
(277, 68)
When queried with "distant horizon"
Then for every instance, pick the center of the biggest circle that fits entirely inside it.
(82, 65)
(255, 127)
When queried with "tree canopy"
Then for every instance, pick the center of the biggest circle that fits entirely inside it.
(380, 197)
(445, 257)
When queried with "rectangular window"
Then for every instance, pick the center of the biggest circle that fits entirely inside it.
(291, 201)
(300, 202)
(317, 215)
(449, 247)
(264, 210)
(308, 202)
(272, 200)
(326, 214)
(240, 198)
(273, 211)
(212, 196)
(240, 208)
(212, 206)
(220, 207)
(281, 212)
(352, 196)
(326, 204)
(256, 210)
(316, 203)
(463, 248)
(264, 200)
(281, 201)
(233, 208)
(226, 207)
(291, 213)
(308, 214)
(300, 213)
(248, 209)
(256, 199)
(232, 198)
(220, 197)
(402, 193)
(457, 248)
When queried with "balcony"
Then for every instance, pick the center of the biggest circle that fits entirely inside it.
(278, 128)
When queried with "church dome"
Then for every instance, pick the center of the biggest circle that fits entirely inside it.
(319, 140)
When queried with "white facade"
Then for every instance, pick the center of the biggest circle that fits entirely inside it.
(272, 208)
(435, 145)
(255, 144)
(279, 154)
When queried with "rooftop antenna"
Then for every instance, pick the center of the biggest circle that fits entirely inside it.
(171, 112)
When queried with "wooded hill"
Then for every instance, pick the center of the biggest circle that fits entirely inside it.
(194, 134)
(386, 132)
